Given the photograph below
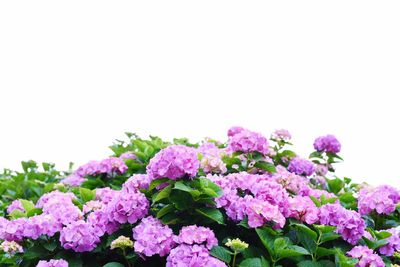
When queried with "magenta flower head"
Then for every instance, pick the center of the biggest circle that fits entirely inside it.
(366, 257)
(194, 256)
(301, 166)
(247, 141)
(235, 130)
(348, 222)
(79, 236)
(73, 180)
(128, 207)
(136, 183)
(383, 199)
(152, 237)
(194, 234)
(328, 144)
(52, 263)
(128, 155)
(173, 162)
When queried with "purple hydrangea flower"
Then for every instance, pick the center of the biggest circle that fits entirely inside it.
(101, 223)
(393, 244)
(152, 237)
(129, 207)
(194, 234)
(211, 161)
(348, 222)
(290, 181)
(43, 224)
(128, 155)
(107, 166)
(73, 180)
(12, 230)
(105, 194)
(281, 135)
(383, 199)
(366, 257)
(174, 162)
(301, 166)
(247, 141)
(137, 182)
(52, 263)
(327, 143)
(235, 130)
(15, 205)
(193, 256)
(79, 236)
(303, 209)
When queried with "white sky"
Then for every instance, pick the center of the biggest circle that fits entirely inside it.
(74, 75)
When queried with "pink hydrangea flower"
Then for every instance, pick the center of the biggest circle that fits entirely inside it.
(152, 237)
(79, 236)
(43, 224)
(193, 256)
(327, 143)
(235, 130)
(247, 141)
(393, 244)
(130, 207)
(176, 161)
(128, 155)
(106, 194)
(73, 180)
(303, 209)
(194, 234)
(349, 223)
(366, 257)
(53, 263)
(301, 166)
(281, 135)
(137, 182)
(383, 199)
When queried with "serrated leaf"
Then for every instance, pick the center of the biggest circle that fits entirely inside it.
(266, 166)
(164, 193)
(164, 210)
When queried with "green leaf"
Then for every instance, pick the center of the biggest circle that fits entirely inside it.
(158, 182)
(335, 185)
(322, 252)
(113, 264)
(34, 212)
(164, 193)
(267, 237)
(266, 166)
(254, 262)
(28, 205)
(181, 186)
(212, 213)
(164, 210)
(292, 251)
(87, 194)
(221, 253)
(50, 246)
(315, 154)
(15, 214)
(325, 237)
(309, 263)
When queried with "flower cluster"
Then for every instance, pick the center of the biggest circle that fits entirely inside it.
(349, 223)
(301, 166)
(366, 257)
(194, 243)
(327, 143)
(281, 135)
(211, 161)
(393, 244)
(52, 263)
(152, 237)
(122, 242)
(383, 199)
(79, 236)
(303, 209)
(11, 247)
(174, 162)
(253, 196)
(242, 140)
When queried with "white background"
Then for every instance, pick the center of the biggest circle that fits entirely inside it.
(74, 75)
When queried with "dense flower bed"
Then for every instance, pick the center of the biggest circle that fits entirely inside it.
(250, 201)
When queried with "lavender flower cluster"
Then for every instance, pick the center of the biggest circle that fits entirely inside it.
(256, 197)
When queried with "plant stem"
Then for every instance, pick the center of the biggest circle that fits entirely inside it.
(234, 259)
(124, 253)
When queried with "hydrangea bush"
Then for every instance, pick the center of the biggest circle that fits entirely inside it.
(247, 201)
